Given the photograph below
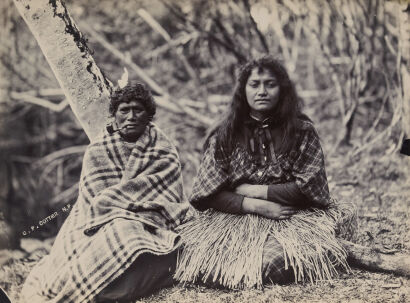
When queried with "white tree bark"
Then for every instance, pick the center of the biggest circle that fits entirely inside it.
(64, 47)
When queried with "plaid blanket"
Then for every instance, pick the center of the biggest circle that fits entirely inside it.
(130, 201)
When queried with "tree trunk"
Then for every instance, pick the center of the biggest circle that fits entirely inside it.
(66, 51)
(87, 90)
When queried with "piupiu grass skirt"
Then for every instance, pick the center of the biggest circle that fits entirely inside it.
(248, 251)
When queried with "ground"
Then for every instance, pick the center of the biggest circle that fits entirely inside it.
(376, 185)
(359, 286)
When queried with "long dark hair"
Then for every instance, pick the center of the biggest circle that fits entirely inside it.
(285, 114)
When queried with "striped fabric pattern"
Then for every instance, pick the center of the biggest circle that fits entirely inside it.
(130, 201)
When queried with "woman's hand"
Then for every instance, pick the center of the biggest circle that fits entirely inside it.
(267, 209)
(252, 191)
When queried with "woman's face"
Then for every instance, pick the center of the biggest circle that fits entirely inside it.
(131, 119)
(262, 92)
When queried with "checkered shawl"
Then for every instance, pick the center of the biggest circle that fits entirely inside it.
(304, 165)
(130, 201)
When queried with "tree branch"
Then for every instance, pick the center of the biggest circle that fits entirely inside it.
(158, 28)
(171, 44)
(40, 102)
(164, 99)
(240, 57)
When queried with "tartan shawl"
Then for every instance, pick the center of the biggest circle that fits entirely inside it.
(130, 201)
(304, 165)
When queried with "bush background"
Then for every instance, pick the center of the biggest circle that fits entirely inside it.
(345, 58)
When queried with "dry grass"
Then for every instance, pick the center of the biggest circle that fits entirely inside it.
(382, 196)
(357, 287)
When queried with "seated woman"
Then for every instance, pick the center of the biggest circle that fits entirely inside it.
(264, 158)
(119, 241)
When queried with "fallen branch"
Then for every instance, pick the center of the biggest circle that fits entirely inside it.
(370, 259)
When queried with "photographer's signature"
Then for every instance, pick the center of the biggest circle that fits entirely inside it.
(45, 220)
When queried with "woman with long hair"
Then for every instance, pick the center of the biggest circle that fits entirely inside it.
(262, 179)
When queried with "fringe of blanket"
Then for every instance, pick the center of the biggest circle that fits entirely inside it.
(226, 249)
